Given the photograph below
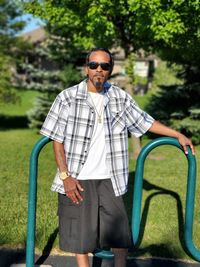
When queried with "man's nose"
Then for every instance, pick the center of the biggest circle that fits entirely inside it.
(99, 68)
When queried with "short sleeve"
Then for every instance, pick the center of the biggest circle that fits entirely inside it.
(56, 120)
(138, 121)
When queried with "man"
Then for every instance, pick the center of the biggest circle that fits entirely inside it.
(89, 123)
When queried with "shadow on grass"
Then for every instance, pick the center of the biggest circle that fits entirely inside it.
(10, 256)
(13, 122)
(157, 250)
(47, 249)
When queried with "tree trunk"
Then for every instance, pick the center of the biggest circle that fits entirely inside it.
(136, 146)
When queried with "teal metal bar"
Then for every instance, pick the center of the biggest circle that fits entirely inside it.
(104, 254)
(30, 244)
(32, 199)
(190, 194)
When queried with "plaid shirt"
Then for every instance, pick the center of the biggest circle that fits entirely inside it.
(71, 121)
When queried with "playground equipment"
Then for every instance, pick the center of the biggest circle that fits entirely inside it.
(137, 199)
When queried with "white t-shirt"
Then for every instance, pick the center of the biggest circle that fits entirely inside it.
(95, 166)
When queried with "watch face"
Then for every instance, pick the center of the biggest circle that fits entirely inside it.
(63, 175)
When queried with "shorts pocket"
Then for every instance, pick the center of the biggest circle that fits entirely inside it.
(66, 206)
(69, 218)
(68, 231)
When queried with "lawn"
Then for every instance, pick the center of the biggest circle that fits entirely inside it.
(163, 196)
(24, 103)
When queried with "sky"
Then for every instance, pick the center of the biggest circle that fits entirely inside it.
(32, 23)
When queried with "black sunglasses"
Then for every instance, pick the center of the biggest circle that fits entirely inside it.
(93, 65)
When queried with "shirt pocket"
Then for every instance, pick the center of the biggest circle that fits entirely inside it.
(118, 122)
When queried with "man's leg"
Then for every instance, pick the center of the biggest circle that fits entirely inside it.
(78, 224)
(114, 225)
(82, 260)
(120, 255)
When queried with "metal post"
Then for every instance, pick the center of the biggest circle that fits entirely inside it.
(32, 197)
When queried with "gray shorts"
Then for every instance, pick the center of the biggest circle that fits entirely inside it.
(100, 221)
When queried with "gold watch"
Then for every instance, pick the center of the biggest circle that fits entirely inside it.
(63, 175)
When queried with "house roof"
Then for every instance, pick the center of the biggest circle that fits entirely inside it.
(35, 36)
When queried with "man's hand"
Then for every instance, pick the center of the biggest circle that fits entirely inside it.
(184, 141)
(73, 189)
(159, 128)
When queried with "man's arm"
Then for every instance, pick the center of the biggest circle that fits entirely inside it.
(71, 185)
(159, 128)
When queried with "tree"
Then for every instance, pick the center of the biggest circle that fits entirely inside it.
(178, 106)
(169, 28)
(164, 26)
(10, 47)
(49, 81)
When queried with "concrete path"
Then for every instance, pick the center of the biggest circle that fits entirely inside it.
(16, 258)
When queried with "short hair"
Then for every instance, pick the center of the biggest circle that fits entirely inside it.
(103, 50)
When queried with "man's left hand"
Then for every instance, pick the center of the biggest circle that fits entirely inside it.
(184, 141)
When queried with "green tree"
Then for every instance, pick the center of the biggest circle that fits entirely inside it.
(169, 28)
(49, 81)
(11, 47)
(174, 102)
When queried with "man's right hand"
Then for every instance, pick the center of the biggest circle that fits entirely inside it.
(72, 189)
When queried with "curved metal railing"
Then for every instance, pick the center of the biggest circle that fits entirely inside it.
(32, 197)
(190, 194)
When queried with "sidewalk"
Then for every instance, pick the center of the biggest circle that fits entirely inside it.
(17, 258)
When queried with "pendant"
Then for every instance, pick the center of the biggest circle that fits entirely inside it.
(99, 119)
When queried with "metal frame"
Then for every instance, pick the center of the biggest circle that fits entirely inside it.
(190, 194)
(136, 210)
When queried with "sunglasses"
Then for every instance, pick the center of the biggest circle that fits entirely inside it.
(94, 65)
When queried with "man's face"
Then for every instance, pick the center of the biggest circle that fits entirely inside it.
(98, 74)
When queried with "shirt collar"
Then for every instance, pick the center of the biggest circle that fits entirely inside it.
(82, 92)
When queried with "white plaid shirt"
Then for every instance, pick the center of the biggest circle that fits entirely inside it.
(71, 121)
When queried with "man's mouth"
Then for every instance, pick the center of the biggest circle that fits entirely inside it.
(98, 76)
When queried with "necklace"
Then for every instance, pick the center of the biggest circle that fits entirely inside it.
(100, 112)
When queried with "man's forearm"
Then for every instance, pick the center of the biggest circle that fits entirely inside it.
(71, 185)
(60, 157)
(159, 128)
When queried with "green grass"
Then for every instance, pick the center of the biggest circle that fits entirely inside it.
(143, 101)
(164, 190)
(16, 148)
(25, 103)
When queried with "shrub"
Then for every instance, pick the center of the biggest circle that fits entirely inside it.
(178, 106)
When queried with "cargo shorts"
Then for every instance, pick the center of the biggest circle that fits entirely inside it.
(99, 221)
